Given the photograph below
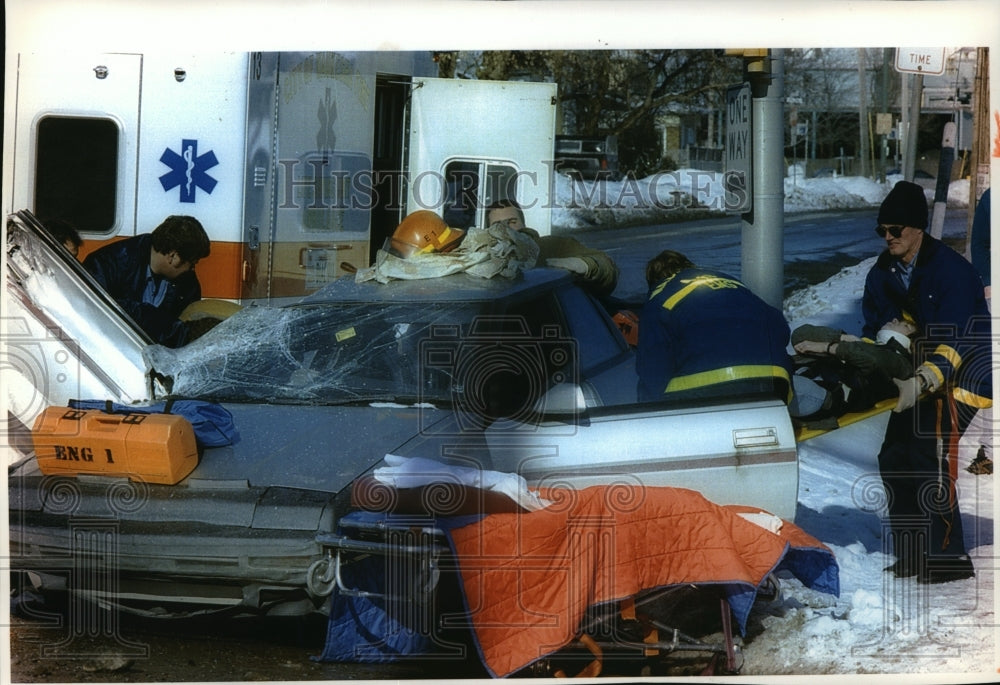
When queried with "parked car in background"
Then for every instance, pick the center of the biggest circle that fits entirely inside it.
(527, 376)
(588, 158)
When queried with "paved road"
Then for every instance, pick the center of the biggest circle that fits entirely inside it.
(816, 245)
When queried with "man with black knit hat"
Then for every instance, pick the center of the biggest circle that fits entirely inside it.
(920, 278)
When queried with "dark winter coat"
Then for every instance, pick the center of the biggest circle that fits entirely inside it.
(946, 300)
(889, 359)
(122, 269)
(705, 333)
(979, 238)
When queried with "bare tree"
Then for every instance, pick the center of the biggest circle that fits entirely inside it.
(833, 85)
(620, 92)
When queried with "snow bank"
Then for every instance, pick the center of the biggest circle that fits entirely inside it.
(879, 624)
(671, 196)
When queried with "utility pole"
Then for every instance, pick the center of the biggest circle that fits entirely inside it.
(913, 95)
(883, 106)
(763, 225)
(863, 125)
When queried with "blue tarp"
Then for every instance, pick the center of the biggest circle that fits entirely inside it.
(371, 629)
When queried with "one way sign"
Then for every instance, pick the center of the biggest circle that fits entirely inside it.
(738, 179)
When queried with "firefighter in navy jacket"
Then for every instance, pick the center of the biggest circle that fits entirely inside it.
(919, 277)
(152, 276)
(704, 333)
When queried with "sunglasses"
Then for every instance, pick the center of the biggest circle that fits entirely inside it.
(895, 230)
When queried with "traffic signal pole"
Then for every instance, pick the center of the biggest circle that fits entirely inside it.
(762, 261)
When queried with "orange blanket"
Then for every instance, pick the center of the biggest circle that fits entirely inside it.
(528, 578)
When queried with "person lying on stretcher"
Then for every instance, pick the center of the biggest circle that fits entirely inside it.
(838, 373)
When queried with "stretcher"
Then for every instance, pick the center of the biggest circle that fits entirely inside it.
(582, 589)
(809, 431)
(414, 560)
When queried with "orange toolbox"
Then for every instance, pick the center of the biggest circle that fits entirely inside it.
(154, 448)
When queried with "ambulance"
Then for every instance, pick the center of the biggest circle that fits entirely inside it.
(298, 164)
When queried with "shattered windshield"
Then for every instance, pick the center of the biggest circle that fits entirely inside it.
(320, 354)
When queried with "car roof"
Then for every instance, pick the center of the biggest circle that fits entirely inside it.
(460, 287)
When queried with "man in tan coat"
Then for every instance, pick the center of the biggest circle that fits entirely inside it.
(592, 268)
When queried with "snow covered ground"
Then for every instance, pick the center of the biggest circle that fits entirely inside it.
(580, 204)
(879, 624)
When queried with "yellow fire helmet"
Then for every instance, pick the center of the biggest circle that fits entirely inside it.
(424, 231)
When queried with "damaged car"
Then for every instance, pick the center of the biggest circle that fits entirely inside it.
(526, 377)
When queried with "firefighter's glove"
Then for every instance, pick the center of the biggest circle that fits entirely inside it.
(910, 390)
(574, 264)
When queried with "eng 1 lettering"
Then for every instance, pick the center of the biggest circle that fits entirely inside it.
(70, 453)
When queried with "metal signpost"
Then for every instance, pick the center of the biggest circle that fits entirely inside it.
(914, 63)
(755, 169)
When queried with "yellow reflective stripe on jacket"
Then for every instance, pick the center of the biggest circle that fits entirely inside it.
(972, 399)
(949, 353)
(714, 282)
(729, 373)
(659, 289)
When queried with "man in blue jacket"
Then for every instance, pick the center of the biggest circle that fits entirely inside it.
(919, 277)
(152, 275)
(979, 240)
(705, 334)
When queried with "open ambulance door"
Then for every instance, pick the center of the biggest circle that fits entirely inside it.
(472, 143)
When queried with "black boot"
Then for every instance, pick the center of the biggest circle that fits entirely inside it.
(945, 570)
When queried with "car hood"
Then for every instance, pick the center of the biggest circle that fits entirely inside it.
(311, 447)
(321, 448)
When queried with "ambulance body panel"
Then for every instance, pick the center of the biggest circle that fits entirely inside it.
(298, 164)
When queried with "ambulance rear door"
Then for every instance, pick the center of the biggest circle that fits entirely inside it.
(75, 140)
(191, 159)
(324, 114)
(472, 143)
